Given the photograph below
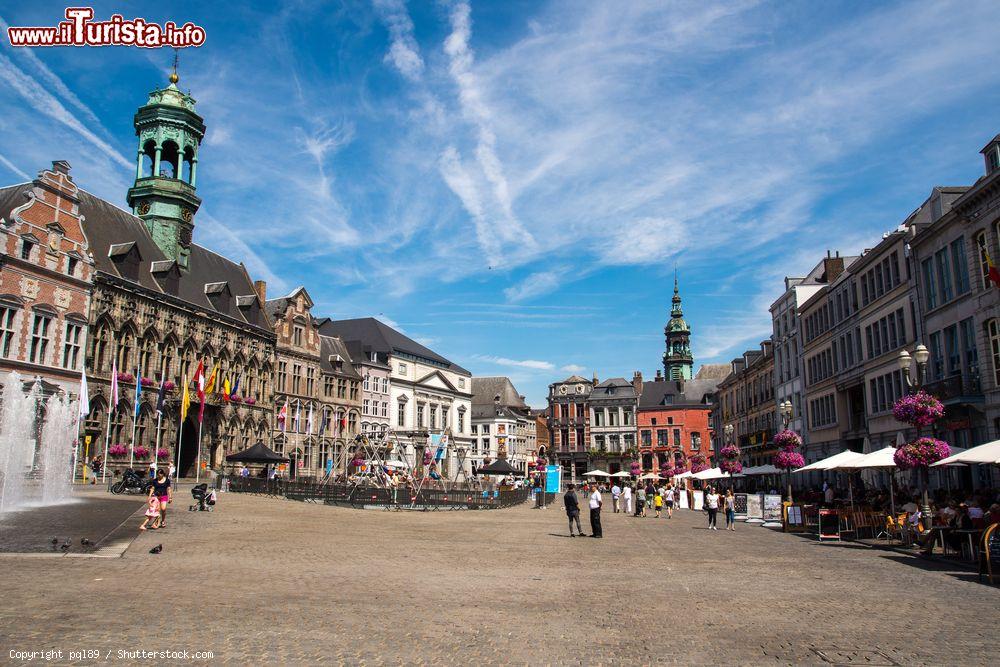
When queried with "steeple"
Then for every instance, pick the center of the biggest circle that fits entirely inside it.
(677, 360)
(163, 195)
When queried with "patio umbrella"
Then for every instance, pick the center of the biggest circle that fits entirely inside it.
(596, 473)
(621, 473)
(650, 475)
(830, 462)
(988, 453)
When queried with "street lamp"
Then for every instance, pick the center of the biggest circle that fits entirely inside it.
(921, 355)
(785, 410)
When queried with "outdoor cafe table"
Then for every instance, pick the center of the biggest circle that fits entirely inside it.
(970, 533)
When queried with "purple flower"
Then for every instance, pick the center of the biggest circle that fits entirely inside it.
(698, 463)
(788, 460)
(788, 440)
(921, 453)
(919, 409)
(732, 467)
(162, 453)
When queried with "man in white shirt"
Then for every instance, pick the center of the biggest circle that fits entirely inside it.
(595, 512)
(627, 498)
(616, 491)
(828, 494)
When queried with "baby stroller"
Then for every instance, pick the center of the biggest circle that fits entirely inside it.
(203, 498)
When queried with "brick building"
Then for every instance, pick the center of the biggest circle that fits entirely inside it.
(45, 280)
(673, 420)
(569, 425)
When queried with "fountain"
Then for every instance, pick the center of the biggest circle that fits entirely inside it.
(19, 432)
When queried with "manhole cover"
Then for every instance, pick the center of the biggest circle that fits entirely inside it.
(855, 656)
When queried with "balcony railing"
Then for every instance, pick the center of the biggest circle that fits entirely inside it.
(965, 385)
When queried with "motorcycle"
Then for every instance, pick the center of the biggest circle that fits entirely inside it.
(131, 483)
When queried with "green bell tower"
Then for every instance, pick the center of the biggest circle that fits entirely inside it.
(163, 195)
(677, 360)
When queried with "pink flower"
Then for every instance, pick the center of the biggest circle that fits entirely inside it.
(731, 467)
(788, 460)
(698, 463)
(921, 453)
(162, 453)
(919, 409)
(788, 440)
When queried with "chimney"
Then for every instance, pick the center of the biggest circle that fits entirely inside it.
(60, 167)
(659, 375)
(260, 287)
(637, 382)
(832, 266)
(595, 379)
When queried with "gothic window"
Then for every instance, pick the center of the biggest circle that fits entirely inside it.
(71, 345)
(39, 338)
(6, 329)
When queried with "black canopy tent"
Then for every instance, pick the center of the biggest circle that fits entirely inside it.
(499, 467)
(259, 453)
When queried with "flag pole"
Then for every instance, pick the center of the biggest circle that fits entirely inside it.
(135, 420)
(197, 463)
(107, 436)
(180, 443)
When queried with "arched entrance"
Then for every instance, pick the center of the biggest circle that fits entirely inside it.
(188, 447)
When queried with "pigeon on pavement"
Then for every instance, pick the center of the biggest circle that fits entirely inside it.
(157, 549)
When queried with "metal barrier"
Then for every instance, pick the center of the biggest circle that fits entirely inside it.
(368, 497)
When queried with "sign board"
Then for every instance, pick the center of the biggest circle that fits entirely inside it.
(699, 500)
(829, 525)
(772, 507)
(794, 518)
(740, 505)
(755, 506)
(553, 479)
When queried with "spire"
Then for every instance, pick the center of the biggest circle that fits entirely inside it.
(675, 309)
(173, 75)
(677, 359)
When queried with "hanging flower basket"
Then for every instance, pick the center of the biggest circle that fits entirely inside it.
(921, 453)
(147, 382)
(117, 451)
(733, 467)
(141, 452)
(127, 378)
(162, 454)
(250, 401)
(730, 452)
(169, 386)
(235, 399)
(788, 440)
(788, 460)
(698, 463)
(636, 468)
(919, 409)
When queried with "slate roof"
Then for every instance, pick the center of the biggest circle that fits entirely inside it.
(485, 389)
(276, 307)
(330, 346)
(713, 372)
(382, 338)
(573, 378)
(666, 393)
(110, 229)
(613, 388)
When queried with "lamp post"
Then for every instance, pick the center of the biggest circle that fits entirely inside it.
(727, 436)
(920, 355)
(785, 412)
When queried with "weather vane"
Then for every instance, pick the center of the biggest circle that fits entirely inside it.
(173, 75)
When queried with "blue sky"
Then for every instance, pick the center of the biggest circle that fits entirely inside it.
(512, 183)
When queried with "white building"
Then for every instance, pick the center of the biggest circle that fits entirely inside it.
(428, 394)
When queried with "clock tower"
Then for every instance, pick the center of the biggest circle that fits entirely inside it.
(169, 134)
(677, 360)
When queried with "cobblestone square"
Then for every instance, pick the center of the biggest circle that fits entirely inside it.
(269, 580)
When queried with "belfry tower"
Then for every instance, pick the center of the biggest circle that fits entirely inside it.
(677, 360)
(163, 195)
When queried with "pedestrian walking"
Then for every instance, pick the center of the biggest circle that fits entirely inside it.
(730, 510)
(627, 499)
(668, 499)
(650, 492)
(640, 501)
(595, 513)
(616, 493)
(572, 510)
(712, 505)
(163, 492)
(658, 502)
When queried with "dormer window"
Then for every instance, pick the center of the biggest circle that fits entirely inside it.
(26, 247)
(71, 263)
(993, 159)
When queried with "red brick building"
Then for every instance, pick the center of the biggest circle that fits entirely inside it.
(672, 419)
(45, 280)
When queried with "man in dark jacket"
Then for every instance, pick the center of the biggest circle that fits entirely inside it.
(572, 510)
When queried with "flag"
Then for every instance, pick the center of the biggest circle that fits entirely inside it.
(161, 397)
(210, 387)
(283, 415)
(309, 420)
(993, 274)
(322, 421)
(236, 387)
(138, 389)
(114, 386)
(185, 402)
(297, 405)
(84, 396)
(199, 379)
(225, 390)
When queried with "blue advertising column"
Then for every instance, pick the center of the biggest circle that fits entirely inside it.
(553, 479)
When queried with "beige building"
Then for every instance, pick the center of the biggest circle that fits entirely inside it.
(745, 399)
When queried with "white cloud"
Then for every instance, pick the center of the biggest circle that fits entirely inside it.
(13, 167)
(573, 368)
(403, 53)
(517, 363)
(534, 285)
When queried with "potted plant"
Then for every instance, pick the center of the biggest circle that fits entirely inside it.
(788, 458)
(162, 454)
